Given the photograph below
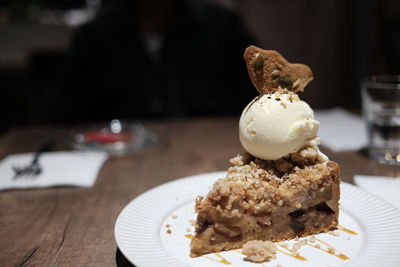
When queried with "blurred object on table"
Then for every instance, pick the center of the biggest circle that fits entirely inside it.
(117, 138)
(61, 168)
(341, 130)
(34, 168)
(381, 109)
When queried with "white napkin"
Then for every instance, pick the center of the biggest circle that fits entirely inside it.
(387, 188)
(341, 130)
(71, 168)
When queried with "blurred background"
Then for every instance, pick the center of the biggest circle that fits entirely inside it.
(78, 61)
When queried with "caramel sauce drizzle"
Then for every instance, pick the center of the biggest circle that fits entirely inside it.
(220, 259)
(341, 228)
(342, 257)
(292, 254)
(190, 236)
(332, 252)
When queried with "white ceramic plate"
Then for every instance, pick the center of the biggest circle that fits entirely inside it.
(154, 230)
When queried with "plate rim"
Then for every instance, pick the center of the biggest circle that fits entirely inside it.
(214, 176)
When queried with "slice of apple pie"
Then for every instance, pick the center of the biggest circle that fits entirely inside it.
(268, 200)
(283, 187)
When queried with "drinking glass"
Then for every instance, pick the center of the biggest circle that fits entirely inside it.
(381, 112)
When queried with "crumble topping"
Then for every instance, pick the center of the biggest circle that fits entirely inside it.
(255, 186)
(259, 251)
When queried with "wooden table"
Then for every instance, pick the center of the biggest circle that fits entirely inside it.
(71, 226)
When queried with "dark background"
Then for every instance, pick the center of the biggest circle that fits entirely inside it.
(342, 41)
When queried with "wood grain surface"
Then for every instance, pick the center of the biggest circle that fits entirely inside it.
(70, 226)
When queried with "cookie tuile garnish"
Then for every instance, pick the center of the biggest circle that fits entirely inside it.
(270, 71)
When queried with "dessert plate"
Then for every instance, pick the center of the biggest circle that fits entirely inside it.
(155, 229)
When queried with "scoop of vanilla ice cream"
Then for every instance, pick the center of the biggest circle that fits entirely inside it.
(274, 125)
